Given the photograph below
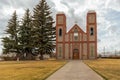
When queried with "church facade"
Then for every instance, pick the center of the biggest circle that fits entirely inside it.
(76, 44)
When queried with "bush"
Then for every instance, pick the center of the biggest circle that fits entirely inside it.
(7, 58)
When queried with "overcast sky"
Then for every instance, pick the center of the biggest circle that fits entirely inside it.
(108, 17)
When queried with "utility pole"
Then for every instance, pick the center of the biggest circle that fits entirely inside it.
(104, 51)
(115, 52)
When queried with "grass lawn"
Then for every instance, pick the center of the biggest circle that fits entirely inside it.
(108, 68)
(28, 70)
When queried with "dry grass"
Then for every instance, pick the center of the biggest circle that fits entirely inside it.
(28, 70)
(108, 68)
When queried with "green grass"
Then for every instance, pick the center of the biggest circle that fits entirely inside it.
(28, 70)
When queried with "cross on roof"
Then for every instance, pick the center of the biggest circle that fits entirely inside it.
(76, 22)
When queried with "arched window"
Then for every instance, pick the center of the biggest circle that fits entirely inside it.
(91, 31)
(75, 34)
(60, 32)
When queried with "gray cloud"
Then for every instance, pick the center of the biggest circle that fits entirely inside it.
(4, 3)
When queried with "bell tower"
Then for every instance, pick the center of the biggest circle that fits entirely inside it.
(92, 34)
(60, 35)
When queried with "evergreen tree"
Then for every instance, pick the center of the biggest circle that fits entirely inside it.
(10, 43)
(43, 29)
(25, 39)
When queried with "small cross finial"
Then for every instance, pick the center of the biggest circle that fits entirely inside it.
(76, 22)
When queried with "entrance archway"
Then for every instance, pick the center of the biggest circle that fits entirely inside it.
(75, 54)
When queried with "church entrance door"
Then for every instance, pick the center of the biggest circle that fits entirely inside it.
(75, 54)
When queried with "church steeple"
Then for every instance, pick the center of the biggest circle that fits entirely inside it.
(92, 33)
(60, 33)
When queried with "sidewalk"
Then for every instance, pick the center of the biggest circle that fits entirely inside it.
(75, 70)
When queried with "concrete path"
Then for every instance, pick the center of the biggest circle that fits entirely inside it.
(75, 70)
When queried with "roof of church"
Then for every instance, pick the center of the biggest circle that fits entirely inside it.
(76, 26)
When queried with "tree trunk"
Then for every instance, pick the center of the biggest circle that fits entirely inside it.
(41, 56)
(37, 57)
(18, 57)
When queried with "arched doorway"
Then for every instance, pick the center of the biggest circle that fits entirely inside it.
(75, 54)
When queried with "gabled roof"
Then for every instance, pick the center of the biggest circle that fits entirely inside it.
(76, 26)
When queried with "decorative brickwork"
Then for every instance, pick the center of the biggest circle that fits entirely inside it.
(76, 44)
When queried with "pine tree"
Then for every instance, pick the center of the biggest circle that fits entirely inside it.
(25, 39)
(43, 29)
(10, 42)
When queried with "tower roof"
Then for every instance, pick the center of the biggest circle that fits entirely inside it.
(91, 11)
(60, 12)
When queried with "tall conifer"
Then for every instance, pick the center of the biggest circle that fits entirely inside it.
(10, 43)
(25, 40)
(43, 29)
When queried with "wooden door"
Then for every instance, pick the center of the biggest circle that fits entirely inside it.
(75, 54)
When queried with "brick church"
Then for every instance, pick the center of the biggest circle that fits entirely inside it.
(76, 44)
